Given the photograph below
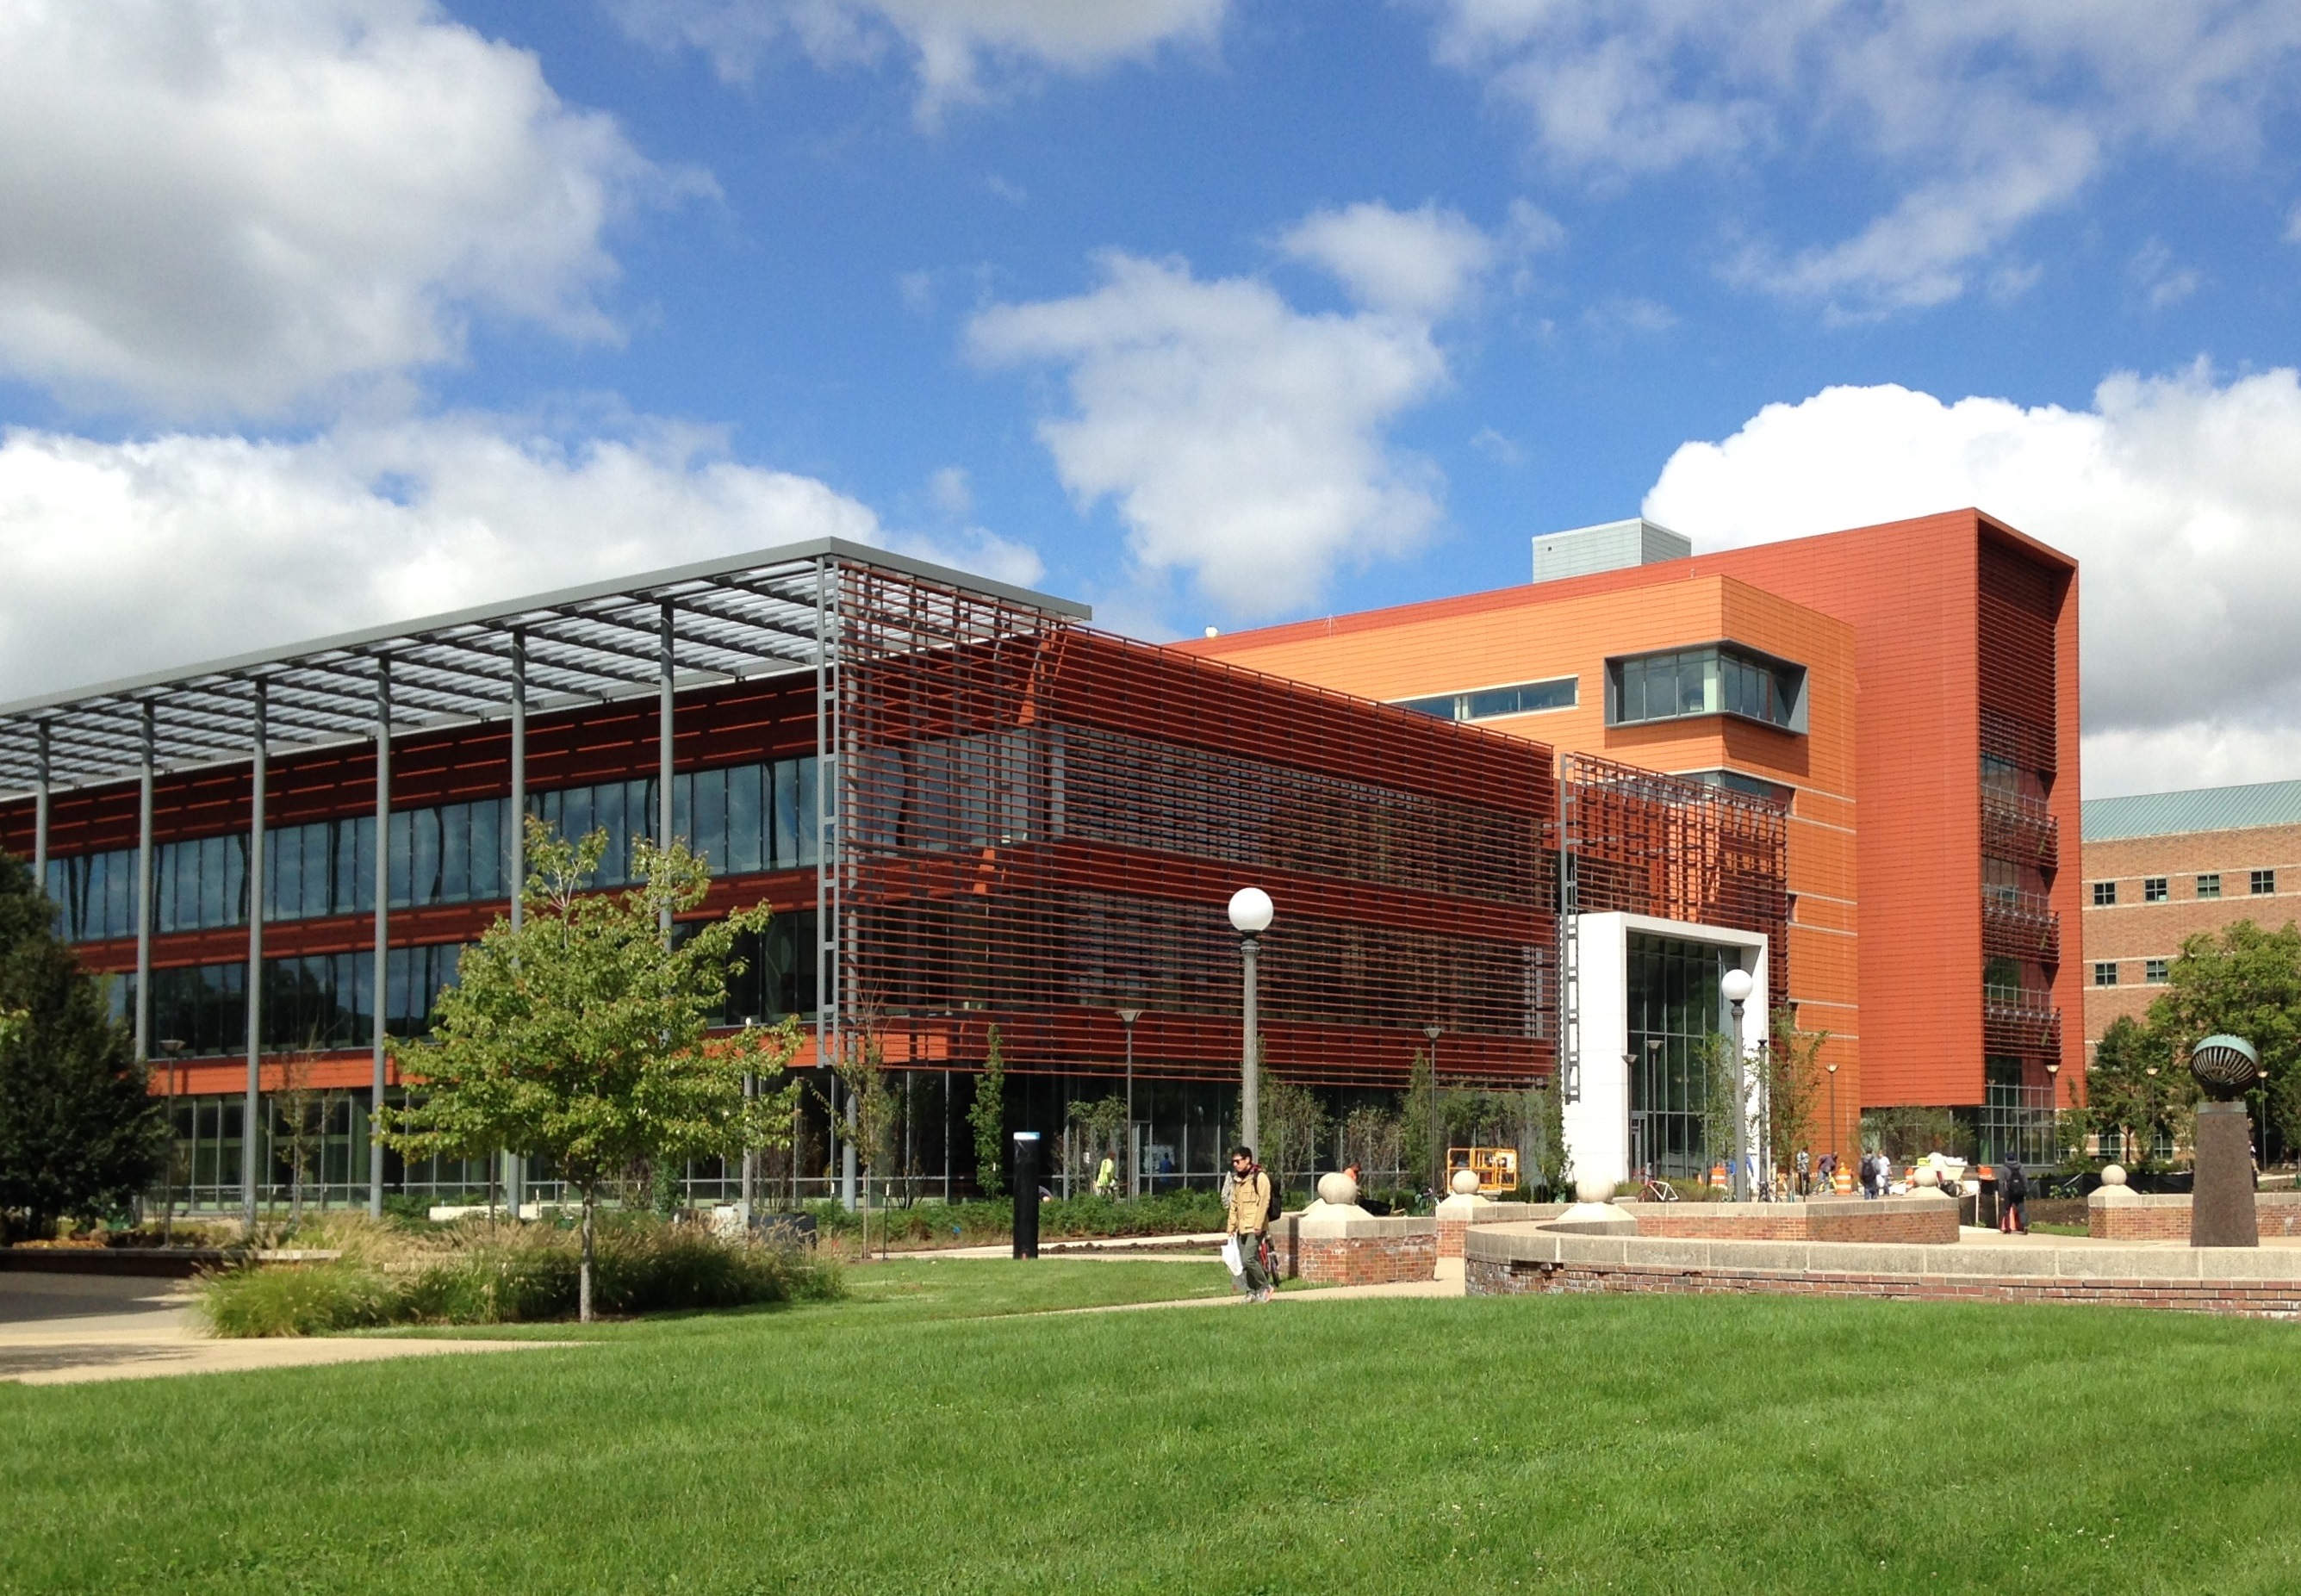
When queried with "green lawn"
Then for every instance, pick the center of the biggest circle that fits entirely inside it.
(902, 1441)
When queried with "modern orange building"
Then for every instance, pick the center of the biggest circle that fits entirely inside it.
(1908, 690)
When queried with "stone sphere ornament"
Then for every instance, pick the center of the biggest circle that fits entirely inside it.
(2224, 1065)
(1465, 1183)
(2113, 1174)
(1337, 1190)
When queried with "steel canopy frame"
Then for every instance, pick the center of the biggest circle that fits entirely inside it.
(770, 612)
(749, 615)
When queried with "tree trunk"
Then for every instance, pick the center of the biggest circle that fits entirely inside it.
(584, 1273)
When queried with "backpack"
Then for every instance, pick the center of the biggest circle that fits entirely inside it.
(1272, 1211)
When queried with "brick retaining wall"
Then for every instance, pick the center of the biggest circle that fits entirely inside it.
(1921, 1220)
(1367, 1260)
(2129, 1215)
(2260, 1300)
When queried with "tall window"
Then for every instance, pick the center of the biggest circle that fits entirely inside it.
(1718, 679)
(2153, 889)
(2104, 893)
(2209, 886)
(1489, 703)
(743, 818)
(2265, 882)
(311, 1001)
(2104, 973)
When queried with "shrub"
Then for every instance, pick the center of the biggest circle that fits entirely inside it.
(300, 1299)
(478, 1272)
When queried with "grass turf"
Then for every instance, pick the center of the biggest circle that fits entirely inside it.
(902, 1441)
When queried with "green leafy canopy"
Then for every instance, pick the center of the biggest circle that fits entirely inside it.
(581, 1035)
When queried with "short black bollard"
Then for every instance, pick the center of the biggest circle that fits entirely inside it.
(1026, 1194)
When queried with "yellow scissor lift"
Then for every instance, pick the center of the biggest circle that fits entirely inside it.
(1497, 1167)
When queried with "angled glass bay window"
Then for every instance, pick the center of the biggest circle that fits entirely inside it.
(1492, 703)
(1716, 678)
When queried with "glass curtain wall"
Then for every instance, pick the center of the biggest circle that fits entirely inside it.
(2016, 1120)
(744, 818)
(1675, 1009)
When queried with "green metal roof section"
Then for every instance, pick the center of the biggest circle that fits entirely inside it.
(2204, 809)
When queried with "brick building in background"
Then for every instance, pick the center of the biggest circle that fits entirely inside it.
(2164, 867)
(1909, 691)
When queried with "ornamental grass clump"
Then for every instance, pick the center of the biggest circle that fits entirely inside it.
(481, 1273)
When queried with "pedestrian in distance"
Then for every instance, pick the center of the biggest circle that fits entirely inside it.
(1106, 1179)
(1247, 1223)
(1804, 1173)
(2012, 1199)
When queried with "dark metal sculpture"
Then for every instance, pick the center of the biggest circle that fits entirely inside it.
(2224, 1065)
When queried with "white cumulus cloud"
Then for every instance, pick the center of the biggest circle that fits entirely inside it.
(1418, 262)
(1979, 118)
(226, 206)
(960, 49)
(1241, 440)
(121, 557)
(2180, 495)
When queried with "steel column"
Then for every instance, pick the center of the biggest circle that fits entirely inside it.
(382, 929)
(1249, 950)
(514, 1164)
(666, 665)
(517, 841)
(249, 1134)
(144, 885)
(40, 817)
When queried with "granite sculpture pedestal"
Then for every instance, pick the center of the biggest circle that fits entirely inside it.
(2222, 1210)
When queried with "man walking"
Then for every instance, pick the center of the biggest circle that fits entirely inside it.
(1248, 1220)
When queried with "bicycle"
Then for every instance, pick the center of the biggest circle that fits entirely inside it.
(1657, 1191)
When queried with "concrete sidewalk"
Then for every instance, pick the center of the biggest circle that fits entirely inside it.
(1194, 1248)
(67, 1329)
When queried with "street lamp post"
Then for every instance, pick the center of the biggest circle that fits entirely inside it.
(1835, 1156)
(2053, 1098)
(173, 1050)
(1250, 913)
(1434, 1031)
(751, 1153)
(2149, 1130)
(1736, 986)
(1127, 1017)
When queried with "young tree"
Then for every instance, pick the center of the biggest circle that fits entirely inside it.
(1553, 1161)
(1794, 1089)
(300, 1109)
(863, 1074)
(582, 1037)
(987, 1117)
(1097, 1128)
(79, 1135)
(1293, 1123)
(1419, 1120)
(1371, 1140)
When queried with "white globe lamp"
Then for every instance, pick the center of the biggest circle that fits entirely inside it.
(1250, 911)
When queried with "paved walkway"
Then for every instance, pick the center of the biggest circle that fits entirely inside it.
(1412, 1288)
(1191, 1249)
(1984, 1236)
(64, 1329)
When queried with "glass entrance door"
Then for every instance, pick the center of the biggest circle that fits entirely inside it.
(1675, 1008)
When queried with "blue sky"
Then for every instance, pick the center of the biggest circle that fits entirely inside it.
(1210, 312)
